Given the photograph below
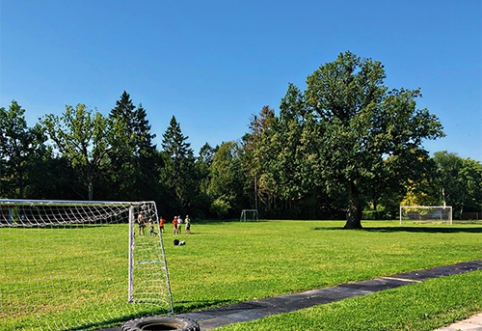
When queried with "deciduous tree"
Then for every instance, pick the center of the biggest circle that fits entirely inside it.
(461, 182)
(363, 123)
(82, 137)
(20, 145)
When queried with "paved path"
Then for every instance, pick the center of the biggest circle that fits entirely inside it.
(473, 323)
(251, 310)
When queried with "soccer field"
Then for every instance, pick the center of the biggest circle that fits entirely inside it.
(221, 263)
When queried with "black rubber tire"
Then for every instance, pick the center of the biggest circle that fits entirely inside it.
(161, 323)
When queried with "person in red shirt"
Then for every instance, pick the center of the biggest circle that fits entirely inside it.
(174, 224)
(161, 224)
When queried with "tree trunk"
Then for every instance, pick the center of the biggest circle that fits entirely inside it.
(353, 216)
(375, 205)
(91, 190)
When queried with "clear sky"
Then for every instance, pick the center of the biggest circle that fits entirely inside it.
(213, 64)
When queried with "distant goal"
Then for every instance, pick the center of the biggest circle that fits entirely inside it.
(249, 215)
(426, 214)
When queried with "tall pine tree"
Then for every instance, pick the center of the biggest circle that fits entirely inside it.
(178, 173)
(133, 155)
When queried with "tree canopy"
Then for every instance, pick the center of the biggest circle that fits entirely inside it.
(347, 147)
(81, 136)
(362, 124)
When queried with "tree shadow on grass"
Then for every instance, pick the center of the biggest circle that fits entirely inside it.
(452, 229)
(190, 306)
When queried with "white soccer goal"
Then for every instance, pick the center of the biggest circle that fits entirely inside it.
(77, 265)
(249, 215)
(433, 214)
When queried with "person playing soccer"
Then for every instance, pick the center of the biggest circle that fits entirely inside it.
(188, 224)
(142, 223)
(174, 224)
(161, 224)
(151, 228)
(179, 224)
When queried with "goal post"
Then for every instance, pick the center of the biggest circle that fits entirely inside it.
(249, 215)
(71, 265)
(433, 214)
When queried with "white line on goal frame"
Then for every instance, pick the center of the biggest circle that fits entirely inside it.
(131, 255)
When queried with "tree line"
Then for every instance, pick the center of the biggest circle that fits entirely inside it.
(347, 147)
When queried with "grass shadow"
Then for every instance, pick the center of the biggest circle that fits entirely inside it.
(182, 307)
(452, 229)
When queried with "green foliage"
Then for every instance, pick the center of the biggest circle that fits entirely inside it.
(344, 146)
(277, 156)
(203, 166)
(179, 172)
(133, 156)
(221, 206)
(362, 123)
(346, 133)
(21, 148)
(226, 180)
(461, 182)
(222, 175)
(472, 173)
(82, 137)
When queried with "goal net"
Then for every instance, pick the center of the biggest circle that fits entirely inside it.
(432, 214)
(77, 265)
(248, 215)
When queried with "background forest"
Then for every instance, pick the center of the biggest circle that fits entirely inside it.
(345, 148)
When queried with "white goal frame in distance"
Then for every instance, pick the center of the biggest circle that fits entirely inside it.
(439, 217)
(246, 211)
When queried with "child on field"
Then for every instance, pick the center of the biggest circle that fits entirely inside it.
(161, 224)
(188, 224)
(179, 224)
(174, 224)
(151, 226)
(142, 223)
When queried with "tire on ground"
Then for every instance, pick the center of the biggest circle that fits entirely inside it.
(161, 323)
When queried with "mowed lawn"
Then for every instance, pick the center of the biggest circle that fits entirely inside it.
(228, 262)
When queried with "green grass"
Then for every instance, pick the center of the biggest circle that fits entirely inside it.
(40, 274)
(422, 307)
(228, 262)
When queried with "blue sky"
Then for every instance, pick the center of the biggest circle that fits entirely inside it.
(214, 64)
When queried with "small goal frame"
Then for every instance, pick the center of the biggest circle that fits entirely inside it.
(245, 212)
(434, 216)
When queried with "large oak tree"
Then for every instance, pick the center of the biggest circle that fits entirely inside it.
(363, 123)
